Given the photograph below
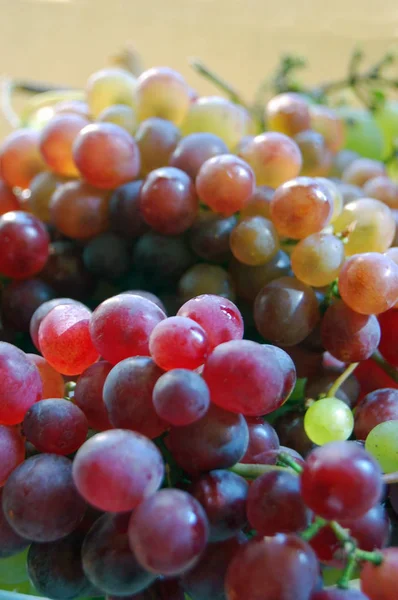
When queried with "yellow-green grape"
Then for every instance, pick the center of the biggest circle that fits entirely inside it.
(336, 194)
(162, 92)
(387, 119)
(120, 114)
(382, 443)
(328, 420)
(108, 87)
(13, 569)
(363, 135)
(254, 241)
(317, 259)
(213, 114)
(369, 225)
(206, 279)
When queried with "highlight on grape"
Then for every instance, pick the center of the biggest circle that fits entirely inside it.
(198, 339)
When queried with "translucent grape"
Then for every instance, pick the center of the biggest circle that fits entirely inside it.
(254, 241)
(326, 121)
(368, 283)
(88, 395)
(121, 115)
(225, 183)
(168, 532)
(370, 225)
(209, 236)
(381, 579)
(56, 142)
(76, 107)
(43, 311)
(20, 158)
(287, 113)
(52, 381)
(162, 92)
(250, 280)
(361, 170)
(168, 202)
(382, 443)
(181, 397)
(376, 407)
(334, 191)
(301, 207)
(362, 132)
(8, 200)
(108, 87)
(317, 158)
(124, 210)
(156, 139)
(64, 339)
(328, 420)
(12, 449)
(10, 542)
(106, 155)
(203, 279)
(317, 259)
(262, 439)
(148, 296)
(20, 300)
(42, 188)
(259, 204)
(384, 189)
(195, 149)
(274, 158)
(54, 509)
(115, 470)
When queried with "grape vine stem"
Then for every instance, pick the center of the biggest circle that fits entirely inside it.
(341, 379)
(223, 85)
(385, 365)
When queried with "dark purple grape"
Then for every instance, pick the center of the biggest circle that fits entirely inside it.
(209, 237)
(262, 439)
(10, 542)
(107, 256)
(164, 257)
(124, 211)
(291, 432)
(21, 299)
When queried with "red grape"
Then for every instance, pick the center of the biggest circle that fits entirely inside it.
(156, 140)
(288, 113)
(262, 439)
(8, 200)
(56, 141)
(124, 210)
(20, 158)
(53, 382)
(181, 397)
(389, 327)
(10, 542)
(194, 150)
(42, 312)
(178, 343)
(379, 582)
(88, 395)
(21, 299)
(375, 408)
(12, 451)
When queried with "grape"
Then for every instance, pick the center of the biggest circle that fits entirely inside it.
(107, 255)
(218, 116)
(54, 508)
(326, 121)
(195, 149)
(379, 582)
(317, 158)
(262, 439)
(368, 283)
(181, 397)
(42, 312)
(65, 271)
(206, 579)
(108, 561)
(317, 259)
(78, 107)
(178, 343)
(55, 425)
(148, 296)
(79, 211)
(124, 210)
(121, 115)
(259, 204)
(24, 245)
(289, 563)
(362, 133)
(115, 470)
(328, 420)
(55, 569)
(388, 324)
(287, 113)
(10, 542)
(349, 192)
(206, 280)
(20, 158)
(291, 432)
(274, 504)
(245, 377)
(56, 141)
(217, 441)
(381, 442)
(332, 189)
(223, 496)
(156, 140)
(274, 158)
(168, 201)
(88, 395)
(347, 335)
(219, 317)
(162, 92)
(362, 170)
(120, 327)
(286, 311)
(64, 339)
(168, 532)
(225, 183)
(128, 393)
(254, 241)
(8, 200)
(341, 481)
(301, 207)
(375, 408)
(20, 384)
(338, 594)
(42, 188)
(52, 381)
(164, 258)
(209, 236)
(370, 224)
(108, 87)
(386, 118)
(20, 300)
(250, 280)
(384, 189)
(341, 160)
(106, 155)
(12, 450)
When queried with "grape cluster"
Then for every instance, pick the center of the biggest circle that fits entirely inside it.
(198, 357)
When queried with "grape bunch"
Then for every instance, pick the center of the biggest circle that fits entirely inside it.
(198, 356)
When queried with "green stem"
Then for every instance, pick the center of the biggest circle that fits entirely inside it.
(341, 379)
(313, 529)
(343, 535)
(287, 461)
(349, 569)
(223, 85)
(385, 365)
(374, 557)
(254, 471)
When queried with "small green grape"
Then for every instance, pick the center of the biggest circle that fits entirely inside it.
(328, 420)
(387, 119)
(363, 135)
(382, 443)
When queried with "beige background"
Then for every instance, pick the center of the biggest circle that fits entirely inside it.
(63, 41)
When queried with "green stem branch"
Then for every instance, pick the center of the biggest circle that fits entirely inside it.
(385, 365)
(341, 379)
(313, 529)
(254, 471)
(223, 85)
(287, 461)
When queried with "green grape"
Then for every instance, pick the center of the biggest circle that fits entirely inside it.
(387, 119)
(336, 194)
(382, 443)
(363, 134)
(108, 87)
(328, 420)
(13, 569)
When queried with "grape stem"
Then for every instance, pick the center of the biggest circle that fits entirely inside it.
(341, 379)
(223, 85)
(313, 529)
(385, 365)
(286, 461)
(254, 471)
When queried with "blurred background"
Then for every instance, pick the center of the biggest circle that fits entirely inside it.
(63, 41)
